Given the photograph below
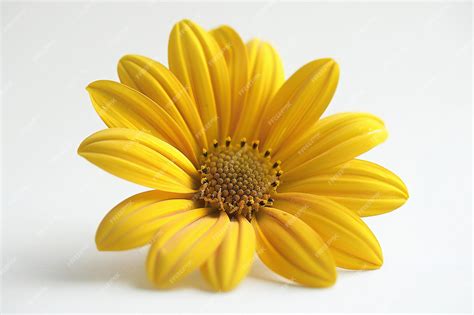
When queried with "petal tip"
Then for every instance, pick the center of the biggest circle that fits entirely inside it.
(225, 288)
(100, 244)
(185, 23)
(331, 61)
(88, 88)
(372, 265)
(92, 85)
(130, 58)
(406, 194)
(375, 263)
(80, 149)
(329, 281)
(100, 247)
(97, 85)
(331, 64)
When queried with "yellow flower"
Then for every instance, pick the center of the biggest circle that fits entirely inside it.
(239, 163)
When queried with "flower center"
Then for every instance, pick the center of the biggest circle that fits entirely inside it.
(238, 178)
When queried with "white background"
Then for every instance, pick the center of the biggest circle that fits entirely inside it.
(409, 63)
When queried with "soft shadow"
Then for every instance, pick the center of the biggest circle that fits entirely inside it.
(347, 273)
(261, 272)
(86, 264)
(192, 281)
(105, 269)
(129, 268)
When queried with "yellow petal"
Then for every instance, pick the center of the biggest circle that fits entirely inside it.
(198, 62)
(232, 260)
(265, 78)
(134, 221)
(120, 106)
(361, 186)
(235, 53)
(332, 141)
(159, 84)
(299, 103)
(140, 158)
(183, 245)
(349, 239)
(291, 248)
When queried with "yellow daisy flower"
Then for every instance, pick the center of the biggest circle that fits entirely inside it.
(239, 163)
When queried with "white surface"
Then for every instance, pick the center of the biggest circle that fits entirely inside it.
(408, 63)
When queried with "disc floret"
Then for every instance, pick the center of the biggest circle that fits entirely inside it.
(238, 178)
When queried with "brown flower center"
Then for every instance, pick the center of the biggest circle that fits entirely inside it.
(238, 179)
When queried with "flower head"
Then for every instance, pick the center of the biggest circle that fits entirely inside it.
(239, 162)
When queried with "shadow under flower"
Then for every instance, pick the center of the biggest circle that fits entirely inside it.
(109, 269)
